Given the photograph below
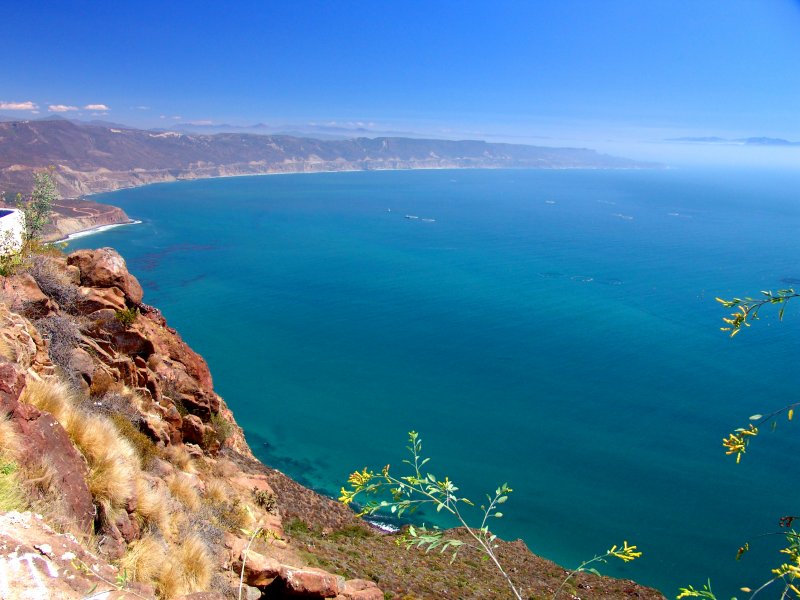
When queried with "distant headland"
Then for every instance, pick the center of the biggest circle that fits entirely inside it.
(91, 158)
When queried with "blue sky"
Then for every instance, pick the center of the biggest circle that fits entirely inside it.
(600, 72)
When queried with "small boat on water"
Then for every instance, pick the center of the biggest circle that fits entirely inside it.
(429, 220)
(412, 217)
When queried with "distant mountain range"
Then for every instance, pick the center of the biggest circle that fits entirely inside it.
(90, 158)
(751, 141)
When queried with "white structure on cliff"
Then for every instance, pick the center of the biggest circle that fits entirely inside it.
(12, 228)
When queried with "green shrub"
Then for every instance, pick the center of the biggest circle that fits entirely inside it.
(297, 527)
(222, 428)
(383, 490)
(127, 316)
(265, 500)
(351, 532)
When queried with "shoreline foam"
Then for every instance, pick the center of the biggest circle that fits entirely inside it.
(93, 230)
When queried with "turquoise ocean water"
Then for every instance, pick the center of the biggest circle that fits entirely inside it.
(553, 329)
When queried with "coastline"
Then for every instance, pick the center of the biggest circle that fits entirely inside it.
(92, 230)
(138, 184)
(320, 180)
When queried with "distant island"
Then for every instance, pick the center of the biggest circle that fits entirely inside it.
(750, 141)
(91, 158)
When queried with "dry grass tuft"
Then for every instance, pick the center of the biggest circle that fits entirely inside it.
(9, 438)
(170, 581)
(178, 456)
(52, 396)
(12, 493)
(152, 506)
(40, 476)
(7, 351)
(144, 560)
(102, 384)
(217, 491)
(113, 463)
(193, 565)
(182, 489)
(175, 570)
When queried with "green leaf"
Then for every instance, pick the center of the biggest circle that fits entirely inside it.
(502, 499)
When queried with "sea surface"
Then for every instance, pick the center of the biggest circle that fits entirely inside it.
(555, 330)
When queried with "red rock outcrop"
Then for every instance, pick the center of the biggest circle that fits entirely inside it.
(114, 339)
(37, 562)
(105, 268)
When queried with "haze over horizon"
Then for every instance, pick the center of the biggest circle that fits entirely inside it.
(618, 76)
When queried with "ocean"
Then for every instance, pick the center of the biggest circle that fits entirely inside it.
(555, 330)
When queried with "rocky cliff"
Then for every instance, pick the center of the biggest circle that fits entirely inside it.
(123, 473)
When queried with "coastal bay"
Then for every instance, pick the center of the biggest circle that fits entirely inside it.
(556, 330)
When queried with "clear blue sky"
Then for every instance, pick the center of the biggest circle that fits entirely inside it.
(637, 70)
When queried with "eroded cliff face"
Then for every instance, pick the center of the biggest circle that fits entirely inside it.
(123, 472)
(116, 435)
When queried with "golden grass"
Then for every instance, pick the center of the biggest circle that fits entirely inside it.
(39, 478)
(7, 351)
(52, 396)
(188, 569)
(113, 463)
(12, 493)
(9, 438)
(182, 489)
(144, 560)
(41, 475)
(152, 506)
(217, 491)
(169, 583)
(180, 457)
(174, 569)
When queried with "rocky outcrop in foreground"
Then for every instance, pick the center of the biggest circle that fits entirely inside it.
(124, 474)
(114, 434)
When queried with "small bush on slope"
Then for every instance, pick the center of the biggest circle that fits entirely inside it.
(53, 282)
(63, 336)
